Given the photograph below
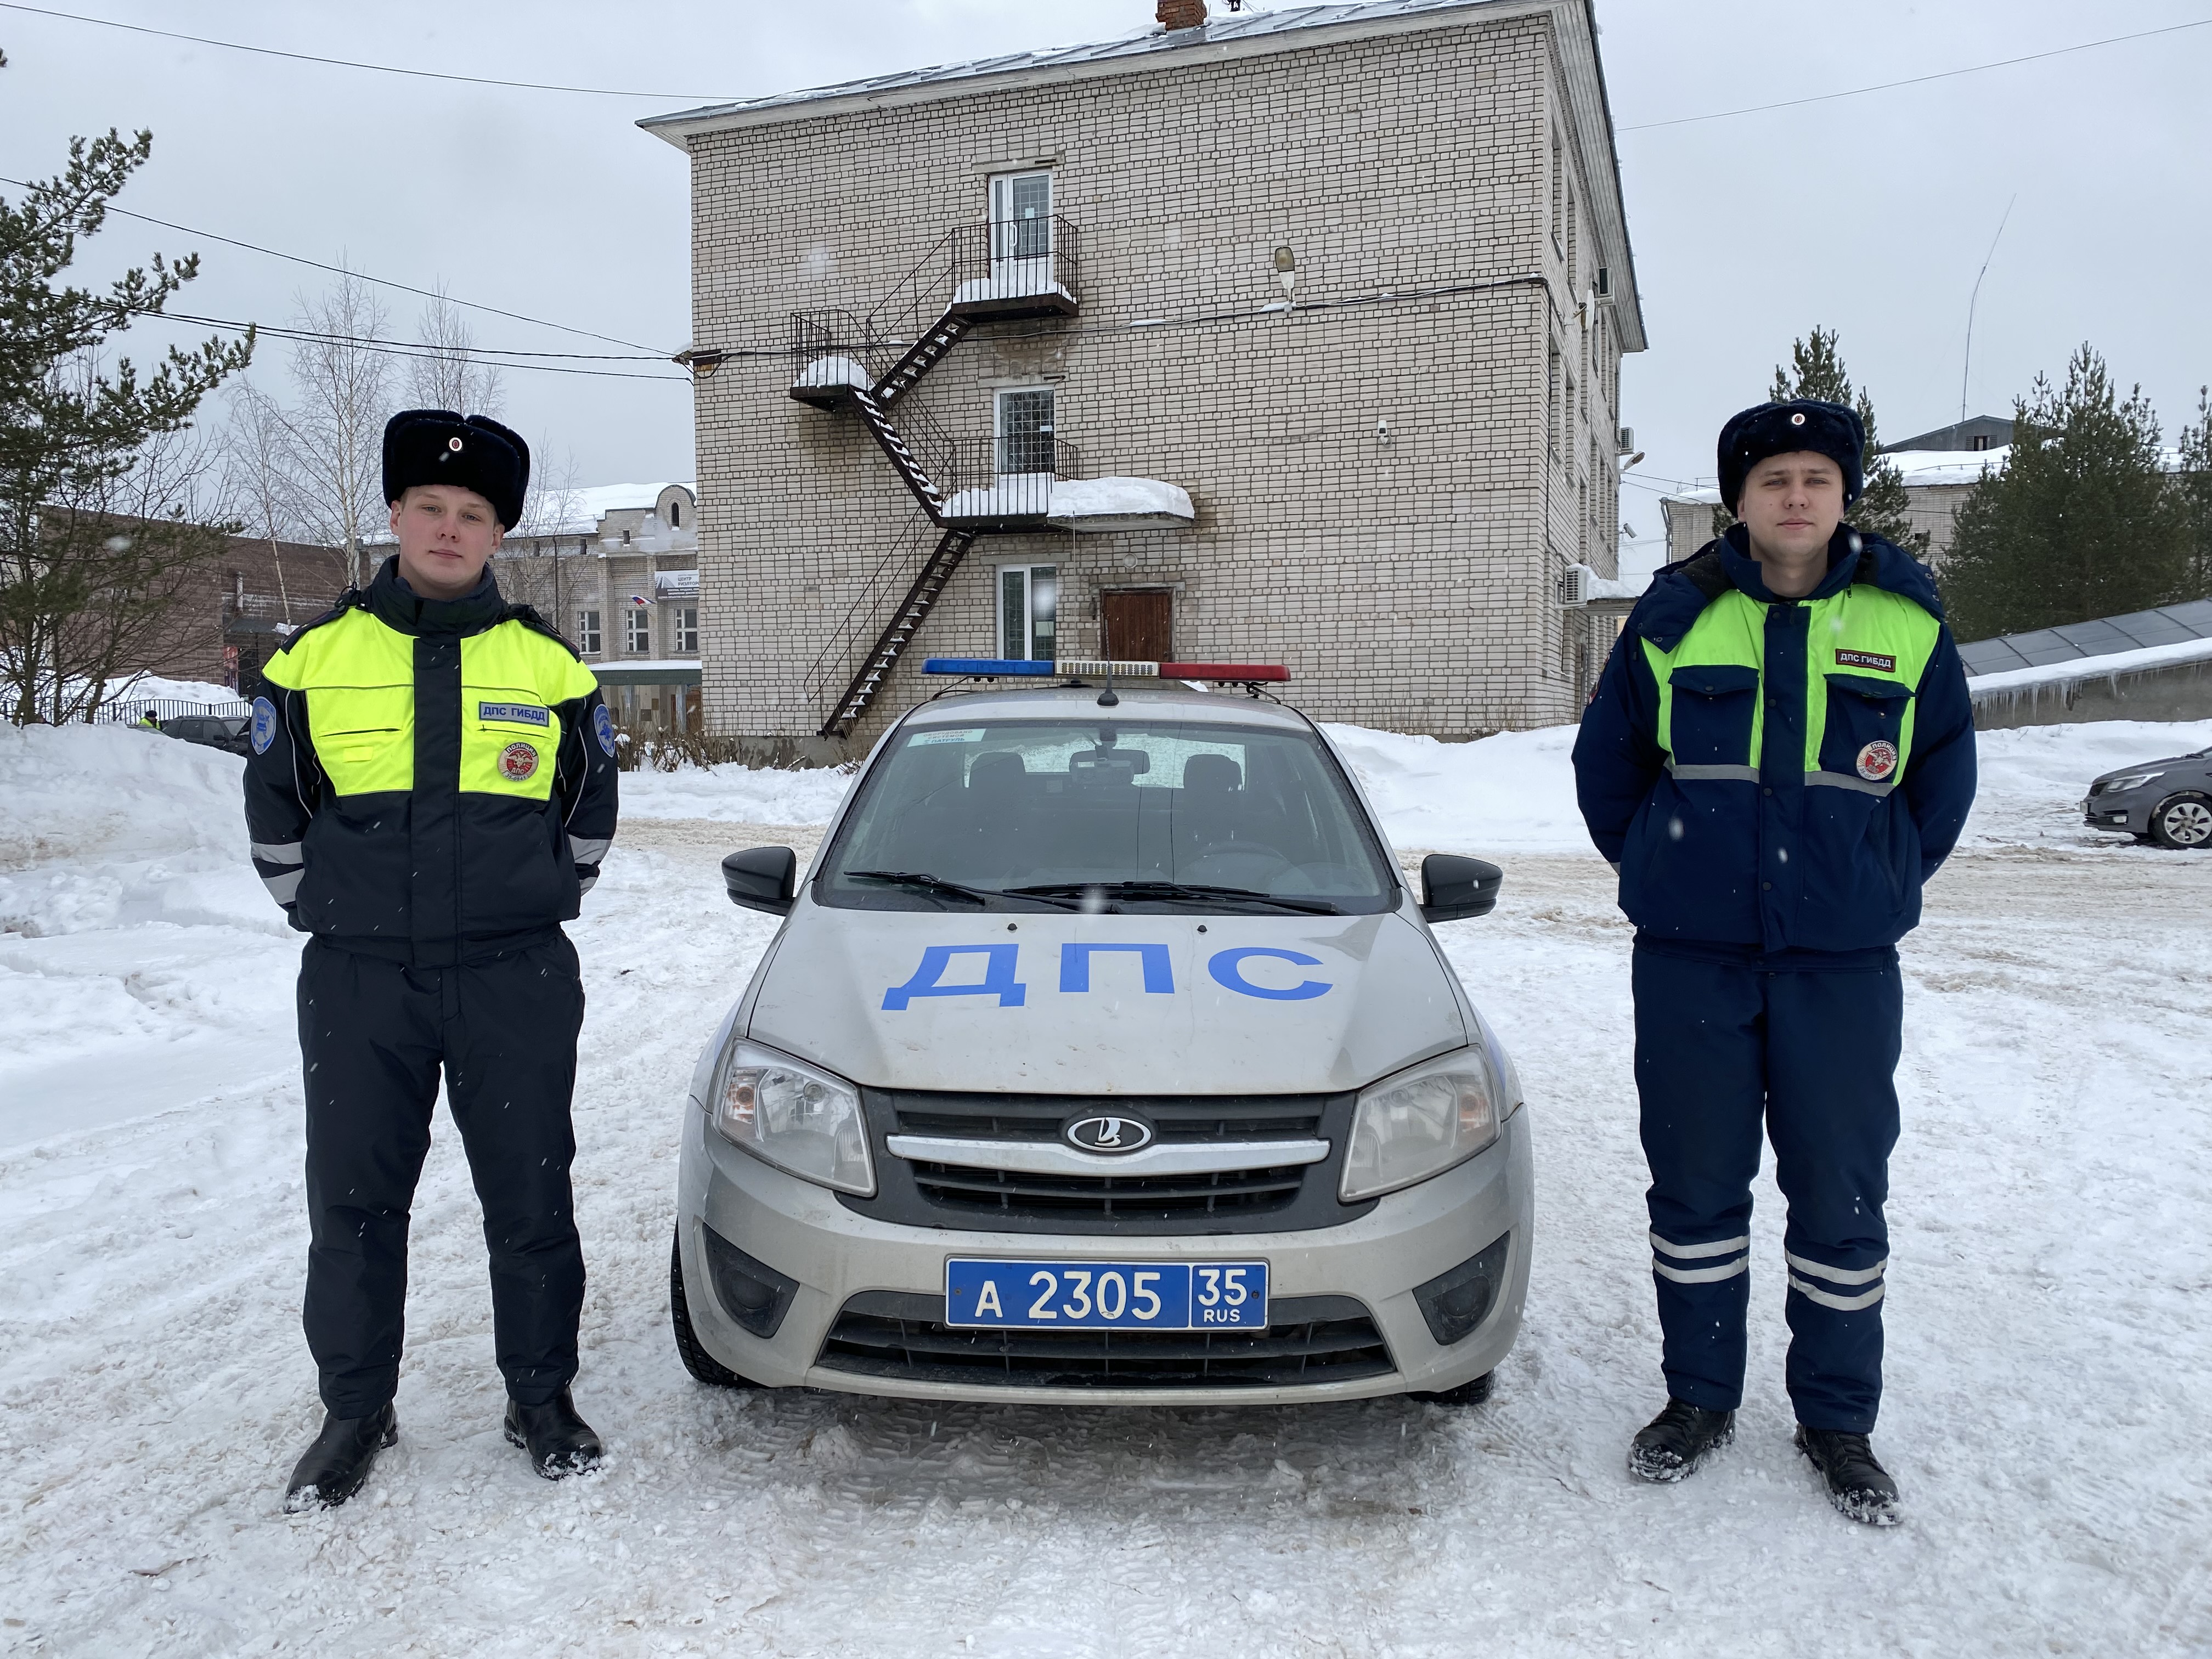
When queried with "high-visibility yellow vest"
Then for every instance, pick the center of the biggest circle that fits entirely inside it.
(362, 714)
(1866, 651)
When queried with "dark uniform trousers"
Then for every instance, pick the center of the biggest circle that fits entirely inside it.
(375, 1034)
(1813, 1053)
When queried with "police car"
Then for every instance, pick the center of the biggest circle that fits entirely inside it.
(1104, 1053)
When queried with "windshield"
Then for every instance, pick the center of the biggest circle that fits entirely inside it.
(1112, 814)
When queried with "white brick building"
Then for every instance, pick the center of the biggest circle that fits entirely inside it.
(1354, 277)
(616, 568)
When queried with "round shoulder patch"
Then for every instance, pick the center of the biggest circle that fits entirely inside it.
(603, 724)
(1877, 761)
(264, 725)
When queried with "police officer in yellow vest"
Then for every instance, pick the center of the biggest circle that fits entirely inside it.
(431, 789)
(1779, 753)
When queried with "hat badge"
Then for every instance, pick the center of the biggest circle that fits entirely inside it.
(1798, 419)
(455, 443)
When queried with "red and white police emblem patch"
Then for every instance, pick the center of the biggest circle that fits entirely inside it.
(518, 760)
(1876, 761)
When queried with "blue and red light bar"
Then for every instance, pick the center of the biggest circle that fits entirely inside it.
(1038, 668)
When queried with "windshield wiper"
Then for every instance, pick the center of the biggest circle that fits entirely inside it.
(1170, 890)
(922, 882)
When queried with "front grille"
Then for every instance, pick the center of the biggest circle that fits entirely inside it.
(1309, 1340)
(1262, 1197)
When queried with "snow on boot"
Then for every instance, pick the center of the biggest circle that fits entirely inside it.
(332, 1470)
(1673, 1444)
(1858, 1485)
(560, 1442)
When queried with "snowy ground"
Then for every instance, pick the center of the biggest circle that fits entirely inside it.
(2051, 1362)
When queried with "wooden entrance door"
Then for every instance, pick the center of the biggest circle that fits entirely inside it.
(1138, 625)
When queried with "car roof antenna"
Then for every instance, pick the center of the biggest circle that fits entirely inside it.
(1106, 698)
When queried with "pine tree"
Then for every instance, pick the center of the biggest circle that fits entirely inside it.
(2083, 521)
(96, 541)
(1816, 370)
(2194, 485)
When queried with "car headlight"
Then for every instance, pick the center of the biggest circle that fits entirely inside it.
(2132, 780)
(806, 1121)
(1421, 1123)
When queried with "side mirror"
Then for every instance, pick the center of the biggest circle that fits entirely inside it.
(1454, 888)
(762, 878)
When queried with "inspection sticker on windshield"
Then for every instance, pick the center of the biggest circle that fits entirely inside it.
(923, 740)
(1117, 1296)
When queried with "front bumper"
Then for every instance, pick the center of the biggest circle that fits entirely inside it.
(2127, 814)
(1407, 1239)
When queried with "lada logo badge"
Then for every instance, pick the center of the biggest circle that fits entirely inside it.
(1104, 1133)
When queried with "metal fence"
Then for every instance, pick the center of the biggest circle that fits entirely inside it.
(133, 711)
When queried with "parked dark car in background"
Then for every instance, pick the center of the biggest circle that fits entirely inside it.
(231, 733)
(2165, 802)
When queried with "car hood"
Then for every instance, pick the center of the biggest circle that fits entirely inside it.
(2150, 766)
(1106, 1005)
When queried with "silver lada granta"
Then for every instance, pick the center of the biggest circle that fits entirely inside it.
(1104, 1054)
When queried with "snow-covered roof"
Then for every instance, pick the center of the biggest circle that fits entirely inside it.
(2089, 668)
(1119, 504)
(579, 512)
(2071, 643)
(1920, 468)
(1221, 28)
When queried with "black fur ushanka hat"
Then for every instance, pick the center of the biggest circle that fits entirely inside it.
(1805, 424)
(438, 447)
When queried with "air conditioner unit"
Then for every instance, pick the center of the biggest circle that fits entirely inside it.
(1574, 585)
(1628, 440)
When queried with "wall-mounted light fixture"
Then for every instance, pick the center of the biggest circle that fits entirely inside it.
(700, 363)
(1286, 270)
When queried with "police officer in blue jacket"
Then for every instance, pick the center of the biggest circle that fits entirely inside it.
(1779, 753)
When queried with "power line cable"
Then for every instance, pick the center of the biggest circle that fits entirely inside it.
(398, 349)
(340, 270)
(1917, 80)
(348, 63)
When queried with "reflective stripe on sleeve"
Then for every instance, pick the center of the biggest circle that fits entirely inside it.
(1845, 780)
(284, 852)
(584, 883)
(588, 849)
(1701, 1275)
(1813, 1293)
(1837, 1275)
(1691, 1252)
(284, 888)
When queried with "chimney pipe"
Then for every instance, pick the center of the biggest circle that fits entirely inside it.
(1182, 14)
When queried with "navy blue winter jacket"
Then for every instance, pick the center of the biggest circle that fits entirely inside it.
(1769, 865)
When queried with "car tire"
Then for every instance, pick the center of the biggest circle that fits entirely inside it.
(1473, 1392)
(2183, 822)
(703, 1365)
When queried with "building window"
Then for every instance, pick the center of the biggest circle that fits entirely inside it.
(1029, 602)
(676, 515)
(625, 538)
(1024, 430)
(640, 630)
(587, 632)
(687, 631)
(1021, 223)
(1552, 422)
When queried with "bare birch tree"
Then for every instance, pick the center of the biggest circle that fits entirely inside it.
(337, 430)
(261, 485)
(450, 375)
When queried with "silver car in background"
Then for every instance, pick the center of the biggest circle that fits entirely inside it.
(2168, 803)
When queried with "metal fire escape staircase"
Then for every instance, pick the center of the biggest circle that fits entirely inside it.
(994, 272)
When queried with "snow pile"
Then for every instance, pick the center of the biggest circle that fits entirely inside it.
(143, 687)
(835, 371)
(1014, 279)
(736, 794)
(84, 792)
(1512, 793)
(1009, 494)
(1131, 503)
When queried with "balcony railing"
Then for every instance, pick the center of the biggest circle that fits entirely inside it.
(1005, 267)
(994, 480)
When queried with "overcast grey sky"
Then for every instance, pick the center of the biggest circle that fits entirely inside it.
(1870, 214)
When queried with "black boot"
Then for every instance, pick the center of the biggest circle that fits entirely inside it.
(1858, 1485)
(332, 1470)
(1673, 1444)
(560, 1442)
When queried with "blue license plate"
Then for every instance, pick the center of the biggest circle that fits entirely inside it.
(1110, 1295)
